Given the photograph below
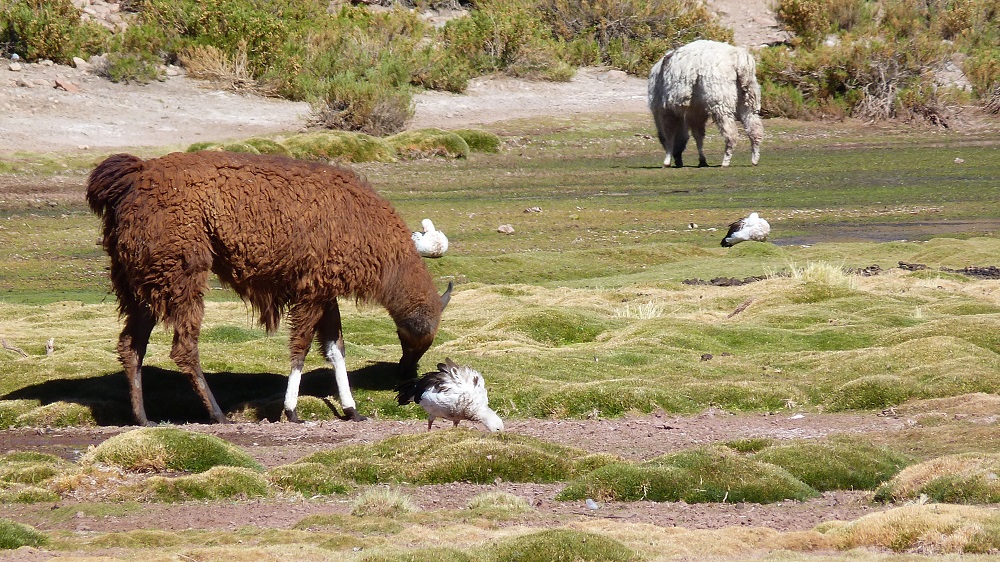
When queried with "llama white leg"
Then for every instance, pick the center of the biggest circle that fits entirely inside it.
(755, 131)
(336, 358)
(292, 392)
(727, 126)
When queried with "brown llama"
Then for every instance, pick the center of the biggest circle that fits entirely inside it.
(284, 234)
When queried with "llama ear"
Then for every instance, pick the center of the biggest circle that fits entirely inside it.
(446, 296)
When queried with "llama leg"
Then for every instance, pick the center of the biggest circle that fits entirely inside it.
(331, 337)
(680, 141)
(755, 132)
(698, 132)
(727, 126)
(665, 132)
(131, 350)
(303, 319)
(186, 317)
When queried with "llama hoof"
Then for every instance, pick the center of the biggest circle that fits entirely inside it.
(702, 163)
(292, 416)
(353, 415)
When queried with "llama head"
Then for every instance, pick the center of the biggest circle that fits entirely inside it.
(416, 331)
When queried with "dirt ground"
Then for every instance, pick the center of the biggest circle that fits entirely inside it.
(51, 108)
(634, 437)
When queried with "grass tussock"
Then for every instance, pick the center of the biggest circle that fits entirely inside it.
(15, 535)
(427, 143)
(26, 494)
(28, 467)
(838, 464)
(308, 478)
(495, 505)
(965, 478)
(380, 501)
(706, 474)
(453, 455)
(155, 449)
(561, 544)
(341, 146)
(216, 483)
(934, 528)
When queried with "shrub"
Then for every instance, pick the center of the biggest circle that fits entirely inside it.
(162, 448)
(137, 68)
(49, 30)
(628, 34)
(505, 36)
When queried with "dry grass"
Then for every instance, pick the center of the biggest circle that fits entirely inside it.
(933, 529)
(382, 501)
(206, 62)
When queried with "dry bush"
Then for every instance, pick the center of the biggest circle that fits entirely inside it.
(206, 62)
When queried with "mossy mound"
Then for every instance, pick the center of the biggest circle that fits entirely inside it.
(15, 535)
(308, 478)
(30, 467)
(836, 465)
(701, 475)
(426, 143)
(340, 145)
(561, 544)
(453, 455)
(966, 478)
(479, 140)
(163, 448)
(217, 483)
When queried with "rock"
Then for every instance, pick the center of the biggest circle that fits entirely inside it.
(15, 67)
(505, 229)
(67, 85)
(80, 64)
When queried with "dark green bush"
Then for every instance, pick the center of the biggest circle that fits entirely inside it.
(49, 30)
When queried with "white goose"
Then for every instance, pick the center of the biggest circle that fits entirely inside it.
(431, 243)
(452, 392)
(750, 228)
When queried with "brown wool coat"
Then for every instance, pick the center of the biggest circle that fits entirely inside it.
(283, 233)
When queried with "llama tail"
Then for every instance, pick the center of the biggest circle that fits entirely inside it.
(110, 181)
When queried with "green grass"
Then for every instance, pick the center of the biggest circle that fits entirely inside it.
(163, 448)
(706, 474)
(14, 535)
(450, 456)
(216, 483)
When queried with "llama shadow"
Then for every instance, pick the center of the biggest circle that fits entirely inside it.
(169, 396)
